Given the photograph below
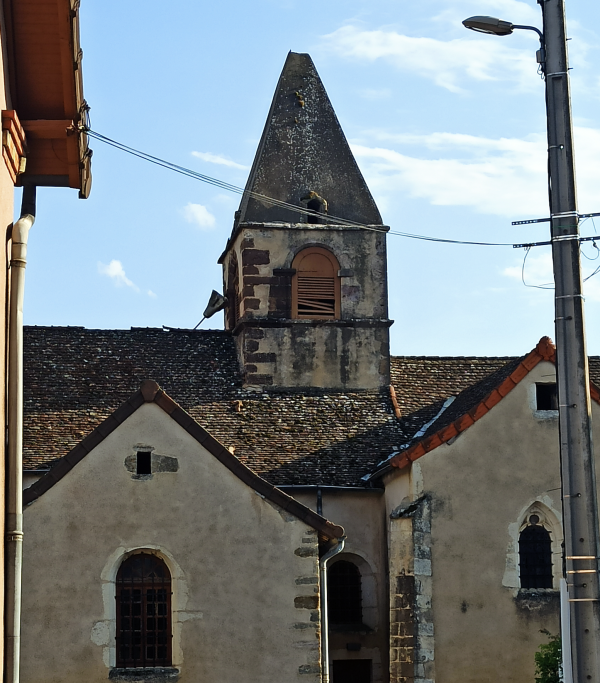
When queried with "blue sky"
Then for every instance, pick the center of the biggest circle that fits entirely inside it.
(448, 127)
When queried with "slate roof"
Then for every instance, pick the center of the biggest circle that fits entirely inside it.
(75, 378)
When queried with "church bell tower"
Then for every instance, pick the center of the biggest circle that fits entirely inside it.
(305, 267)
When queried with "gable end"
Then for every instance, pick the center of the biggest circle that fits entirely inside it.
(150, 392)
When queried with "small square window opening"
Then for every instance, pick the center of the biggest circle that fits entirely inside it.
(144, 462)
(546, 397)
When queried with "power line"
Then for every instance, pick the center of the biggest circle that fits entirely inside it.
(276, 202)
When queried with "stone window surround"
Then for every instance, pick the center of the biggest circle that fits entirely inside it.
(104, 631)
(551, 520)
(532, 399)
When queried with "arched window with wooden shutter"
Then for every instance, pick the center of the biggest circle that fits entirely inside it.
(316, 285)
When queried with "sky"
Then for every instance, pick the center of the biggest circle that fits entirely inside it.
(447, 126)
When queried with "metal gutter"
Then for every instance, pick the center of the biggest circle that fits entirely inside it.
(324, 608)
(14, 464)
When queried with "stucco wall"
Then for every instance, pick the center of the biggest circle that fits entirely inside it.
(245, 575)
(478, 491)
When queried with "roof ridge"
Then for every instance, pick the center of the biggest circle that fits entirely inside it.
(150, 392)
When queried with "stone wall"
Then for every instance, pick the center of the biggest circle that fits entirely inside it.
(275, 350)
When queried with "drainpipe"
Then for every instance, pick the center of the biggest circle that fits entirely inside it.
(324, 609)
(14, 477)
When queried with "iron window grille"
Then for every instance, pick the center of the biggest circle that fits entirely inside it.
(143, 612)
(535, 557)
(344, 593)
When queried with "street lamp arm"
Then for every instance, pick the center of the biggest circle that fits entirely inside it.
(531, 28)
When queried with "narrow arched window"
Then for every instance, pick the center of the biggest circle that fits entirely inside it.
(344, 593)
(233, 293)
(143, 612)
(316, 285)
(535, 557)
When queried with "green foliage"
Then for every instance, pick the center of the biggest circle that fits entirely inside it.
(548, 660)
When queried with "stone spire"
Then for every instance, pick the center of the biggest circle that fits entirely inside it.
(303, 150)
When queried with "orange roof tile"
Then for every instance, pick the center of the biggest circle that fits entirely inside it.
(544, 351)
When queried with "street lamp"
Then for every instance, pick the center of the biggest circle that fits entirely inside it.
(580, 513)
(497, 27)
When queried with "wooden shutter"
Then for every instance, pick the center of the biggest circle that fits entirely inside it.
(316, 285)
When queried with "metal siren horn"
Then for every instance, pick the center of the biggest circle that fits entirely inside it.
(216, 303)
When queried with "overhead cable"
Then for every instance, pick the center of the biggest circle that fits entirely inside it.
(276, 202)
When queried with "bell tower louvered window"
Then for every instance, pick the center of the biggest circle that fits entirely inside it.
(316, 285)
(143, 612)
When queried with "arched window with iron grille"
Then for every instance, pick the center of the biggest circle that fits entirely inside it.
(344, 593)
(535, 557)
(316, 285)
(143, 612)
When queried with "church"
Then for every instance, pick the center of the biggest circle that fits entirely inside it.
(283, 500)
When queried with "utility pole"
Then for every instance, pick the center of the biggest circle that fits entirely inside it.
(580, 510)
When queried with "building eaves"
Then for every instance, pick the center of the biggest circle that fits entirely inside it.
(43, 58)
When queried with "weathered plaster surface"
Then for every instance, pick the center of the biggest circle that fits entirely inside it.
(235, 563)
(480, 488)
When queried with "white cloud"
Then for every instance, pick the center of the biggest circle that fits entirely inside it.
(115, 271)
(509, 10)
(444, 62)
(151, 294)
(375, 94)
(536, 272)
(504, 176)
(200, 216)
(218, 159)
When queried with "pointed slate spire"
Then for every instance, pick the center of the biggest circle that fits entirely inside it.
(303, 149)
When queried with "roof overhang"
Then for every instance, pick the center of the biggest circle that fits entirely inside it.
(46, 90)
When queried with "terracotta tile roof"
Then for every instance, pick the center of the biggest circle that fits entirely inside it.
(476, 401)
(150, 392)
(75, 378)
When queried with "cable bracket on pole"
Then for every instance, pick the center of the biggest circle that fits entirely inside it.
(547, 220)
(557, 73)
(582, 571)
(570, 296)
(565, 238)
